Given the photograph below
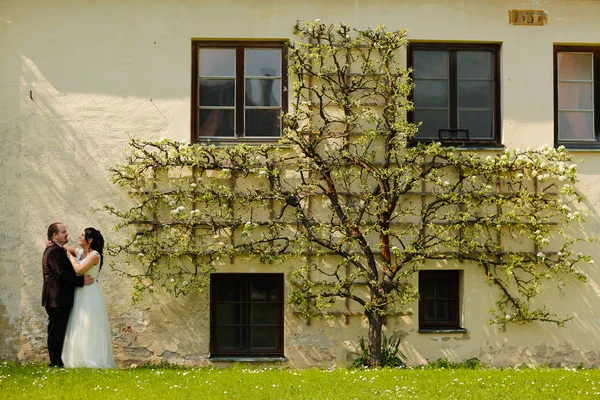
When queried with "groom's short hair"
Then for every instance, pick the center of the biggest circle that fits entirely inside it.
(52, 229)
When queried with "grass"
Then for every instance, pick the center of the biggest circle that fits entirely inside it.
(19, 381)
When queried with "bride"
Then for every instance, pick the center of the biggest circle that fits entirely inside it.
(88, 338)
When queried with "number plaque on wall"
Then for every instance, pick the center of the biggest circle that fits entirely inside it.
(527, 17)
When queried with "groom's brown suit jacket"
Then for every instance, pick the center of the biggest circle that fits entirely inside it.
(60, 278)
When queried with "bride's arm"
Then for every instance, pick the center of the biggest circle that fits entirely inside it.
(71, 250)
(91, 260)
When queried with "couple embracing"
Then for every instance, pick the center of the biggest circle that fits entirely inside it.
(78, 329)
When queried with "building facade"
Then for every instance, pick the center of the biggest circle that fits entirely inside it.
(79, 78)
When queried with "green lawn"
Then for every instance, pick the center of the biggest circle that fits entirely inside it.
(249, 382)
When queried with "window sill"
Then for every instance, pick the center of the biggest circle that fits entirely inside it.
(443, 330)
(246, 359)
(220, 141)
(463, 145)
(582, 149)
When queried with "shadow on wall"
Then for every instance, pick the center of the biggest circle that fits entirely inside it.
(58, 175)
(10, 235)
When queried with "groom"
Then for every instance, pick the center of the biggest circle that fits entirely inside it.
(60, 281)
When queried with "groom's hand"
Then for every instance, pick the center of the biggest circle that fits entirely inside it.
(88, 280)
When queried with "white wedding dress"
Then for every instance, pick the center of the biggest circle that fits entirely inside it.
(88, 339)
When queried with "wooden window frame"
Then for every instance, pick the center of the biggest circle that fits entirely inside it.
(449, 277)
(453, 92)
(246, 325)
(584, 144)
(239, 47)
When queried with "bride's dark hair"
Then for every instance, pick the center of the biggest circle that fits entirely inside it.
(97, 242)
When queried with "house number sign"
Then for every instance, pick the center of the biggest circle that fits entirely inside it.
(527, 17)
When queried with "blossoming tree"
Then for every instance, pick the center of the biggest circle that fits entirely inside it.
(350, 198)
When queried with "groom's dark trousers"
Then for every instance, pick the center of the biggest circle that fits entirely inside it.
(60, 281)
(58, 318)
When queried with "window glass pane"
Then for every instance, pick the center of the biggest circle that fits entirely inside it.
(228, 290)
(227, 313)
(475, 94)
(263, 62)
(479, 123)
(430, 310)
(263, 123)
(266, 338)
(430, 64)
(443, 311)
(228, 338)
(474, 64)
(217, 92)
(215, 122)
(431, 93)
(575, 96)
(575, 66)
(263, 92)
(426, 288)
(265, 290)
(432, 121)
(217, 62)
(575, 125)
(262, 313)
(444, 288)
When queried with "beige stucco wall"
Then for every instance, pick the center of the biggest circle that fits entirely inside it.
(100, 71)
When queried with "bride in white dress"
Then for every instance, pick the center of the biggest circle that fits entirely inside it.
(88, 339)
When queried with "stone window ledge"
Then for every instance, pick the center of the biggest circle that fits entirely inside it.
(452, 330)
(247, 359)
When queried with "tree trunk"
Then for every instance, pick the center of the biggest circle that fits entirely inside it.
(374, 342)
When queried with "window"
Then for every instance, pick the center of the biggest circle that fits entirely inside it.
(238, 89)
(577, 96)
(246, 315)
(457, 91)
(438, 300)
